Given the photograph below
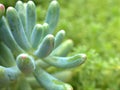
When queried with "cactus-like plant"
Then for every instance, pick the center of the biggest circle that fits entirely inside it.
(28, 49)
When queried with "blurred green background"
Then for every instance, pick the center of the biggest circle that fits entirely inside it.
(94, 26)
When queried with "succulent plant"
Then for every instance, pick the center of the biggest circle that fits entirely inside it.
(28, 50)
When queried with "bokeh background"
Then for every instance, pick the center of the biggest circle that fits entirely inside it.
(94, 26)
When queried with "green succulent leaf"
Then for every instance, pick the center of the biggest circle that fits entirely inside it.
(7, 37)
(17, 28)
(45, 47)
(36, 35)
(63, 49)
(59, 38)
(25, 63)
(30, 17)
(52, 15)
(7, 55)
(66, 62)
(21, 10)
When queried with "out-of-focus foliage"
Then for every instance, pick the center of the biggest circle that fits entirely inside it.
(98, 73)
(12, 2)
(94, 25)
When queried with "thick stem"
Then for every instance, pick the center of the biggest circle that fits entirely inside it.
(48, 81)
